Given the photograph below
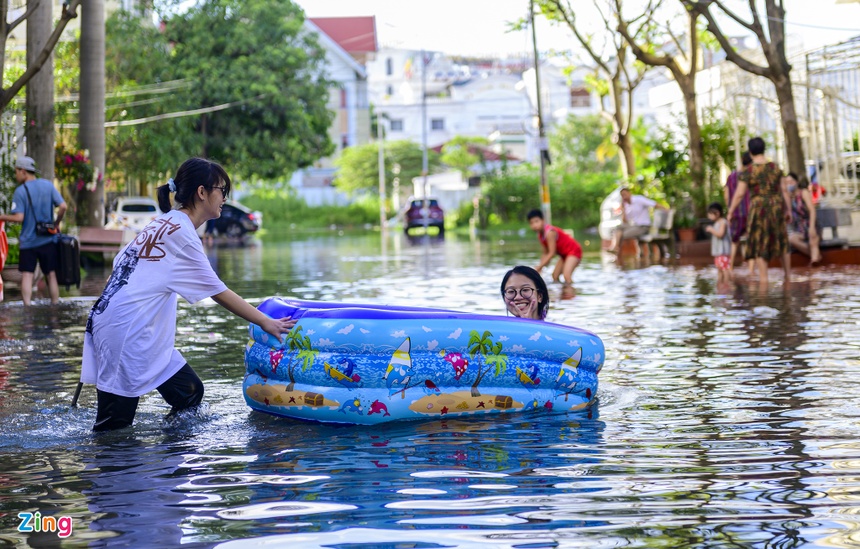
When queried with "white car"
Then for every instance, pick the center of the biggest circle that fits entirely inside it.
(132, 213)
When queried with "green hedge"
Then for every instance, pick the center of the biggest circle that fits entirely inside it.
(575, 198)
(280, 207)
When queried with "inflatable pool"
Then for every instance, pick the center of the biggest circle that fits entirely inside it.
(350, 363)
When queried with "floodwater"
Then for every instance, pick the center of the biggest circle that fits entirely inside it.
(726, 418)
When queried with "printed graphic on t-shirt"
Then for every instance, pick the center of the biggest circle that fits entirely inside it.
(151, 239)
(118, 278)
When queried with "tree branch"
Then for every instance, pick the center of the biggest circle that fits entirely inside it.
(731, 54)
(571, 22)
(31, 7)
(69, 13)
(733, 15)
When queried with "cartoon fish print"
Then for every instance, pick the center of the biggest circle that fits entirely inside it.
(568, 375)
(531, 405)
(377, 407)
(353, 405)
(399, 370)
(529, 376)
(430, 388)
(457, 361)
(275, 359)
(343, 375)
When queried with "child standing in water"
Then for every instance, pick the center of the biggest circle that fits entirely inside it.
(556, 242)
(721, 242)
(129, 340)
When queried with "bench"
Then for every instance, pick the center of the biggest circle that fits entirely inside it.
(833, 218)
(661, 232)
(95, 239)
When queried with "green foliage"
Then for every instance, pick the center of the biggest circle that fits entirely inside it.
(283, 207)
(576, 197)
(456, 153)
(584, 144)
(359, 166)
(254, 53)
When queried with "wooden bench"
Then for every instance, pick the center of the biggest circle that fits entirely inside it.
(95, 239)
(833, 218)
(661, 232)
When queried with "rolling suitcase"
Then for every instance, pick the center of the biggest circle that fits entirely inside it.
(69, 269)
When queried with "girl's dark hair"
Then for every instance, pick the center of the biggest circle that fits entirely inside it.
(717, 208)
(540, 286)
(746, 159)
(193, 173)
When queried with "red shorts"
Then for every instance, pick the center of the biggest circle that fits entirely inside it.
(573, 248)
(722, 262)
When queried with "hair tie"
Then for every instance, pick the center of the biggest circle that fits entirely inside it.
(171, 185)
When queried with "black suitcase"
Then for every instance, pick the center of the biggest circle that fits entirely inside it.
(69, 269)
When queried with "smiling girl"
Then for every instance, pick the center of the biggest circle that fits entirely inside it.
(525, 294)
(129, 339)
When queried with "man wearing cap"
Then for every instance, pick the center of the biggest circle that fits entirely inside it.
(34, 200)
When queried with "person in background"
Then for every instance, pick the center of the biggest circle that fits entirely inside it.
(803, 232)
(525, 293)
(635, 218)
(556, 242)
(721, 242)
(130, 334)
(769, 212)
(738, 226)
(34, 201)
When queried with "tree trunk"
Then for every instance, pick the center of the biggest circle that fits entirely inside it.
(788, 115)
(92, 129)
(40, 92)
(619, 124)
(694, 134)
(292, 383)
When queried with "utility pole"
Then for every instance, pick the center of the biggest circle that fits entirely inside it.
(542, 141)
(424, 162)
(380, 138)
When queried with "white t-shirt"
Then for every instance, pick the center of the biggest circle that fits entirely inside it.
(128, 344)
(638, 212)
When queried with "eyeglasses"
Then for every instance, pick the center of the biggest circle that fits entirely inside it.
(526, 292)
(223, 189)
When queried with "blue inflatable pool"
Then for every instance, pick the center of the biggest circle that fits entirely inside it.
(350, 363)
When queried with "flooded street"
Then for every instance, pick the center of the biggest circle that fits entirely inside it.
(725, 418)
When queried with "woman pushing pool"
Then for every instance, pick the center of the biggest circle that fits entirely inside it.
(130, 335)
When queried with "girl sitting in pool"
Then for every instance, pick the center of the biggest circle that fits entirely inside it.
(525, 294)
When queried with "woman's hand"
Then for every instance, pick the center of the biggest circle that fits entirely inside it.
(278, 327)
(730, 215)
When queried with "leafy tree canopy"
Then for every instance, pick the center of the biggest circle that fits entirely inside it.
(462, 153)
(253, 56)
(359, 166)
(584, 144)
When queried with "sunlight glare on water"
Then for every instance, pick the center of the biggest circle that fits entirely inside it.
(724, 419)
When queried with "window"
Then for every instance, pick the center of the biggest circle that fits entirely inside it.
(397, 125)
(437, 124)
(580, 98)
(389, 90)
(389, 67)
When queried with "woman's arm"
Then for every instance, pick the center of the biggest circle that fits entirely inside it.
(740, 192)
(234, 303)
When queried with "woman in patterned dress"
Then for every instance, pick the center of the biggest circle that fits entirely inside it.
(738, 227)
(770, 210)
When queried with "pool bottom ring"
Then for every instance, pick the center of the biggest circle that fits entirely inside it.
(366, 364)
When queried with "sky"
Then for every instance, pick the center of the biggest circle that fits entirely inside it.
(480, 27)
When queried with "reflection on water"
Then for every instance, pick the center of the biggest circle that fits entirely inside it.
(725, 418)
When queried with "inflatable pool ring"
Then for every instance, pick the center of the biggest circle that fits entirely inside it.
(350, 363)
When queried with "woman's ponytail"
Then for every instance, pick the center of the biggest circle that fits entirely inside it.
(163, 194)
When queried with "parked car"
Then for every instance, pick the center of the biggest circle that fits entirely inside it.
(132, 213)
(417, 215)
(236, 220)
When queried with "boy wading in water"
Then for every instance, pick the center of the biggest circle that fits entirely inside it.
(556, 242)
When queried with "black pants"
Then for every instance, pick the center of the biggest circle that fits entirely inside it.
(183, 390)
